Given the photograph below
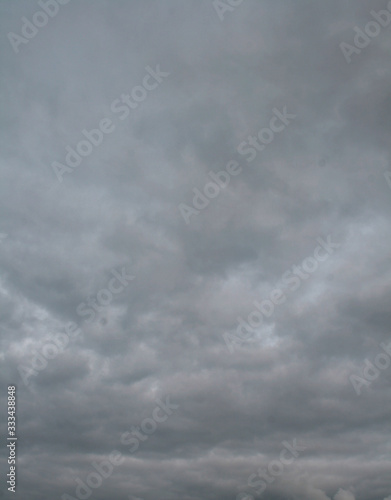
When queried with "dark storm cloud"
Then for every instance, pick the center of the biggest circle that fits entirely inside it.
(162, 335)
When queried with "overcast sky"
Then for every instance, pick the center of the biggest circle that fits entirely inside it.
(213, 78)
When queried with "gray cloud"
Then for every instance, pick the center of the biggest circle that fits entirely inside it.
(163, 334)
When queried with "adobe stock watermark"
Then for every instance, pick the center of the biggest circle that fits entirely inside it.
(371, 30)
(40, 19)
(293, 279)
(248, 148)
(148, 426)
(56, 344)
(221, 7)
(104, 297)
(94, 138)
(371, 371)
(263, 478)
(105, 469)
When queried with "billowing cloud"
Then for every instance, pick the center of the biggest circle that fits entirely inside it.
(344, 495)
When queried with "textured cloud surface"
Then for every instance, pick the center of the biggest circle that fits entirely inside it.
(195, 297)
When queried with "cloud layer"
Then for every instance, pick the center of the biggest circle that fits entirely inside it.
(117, 211)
